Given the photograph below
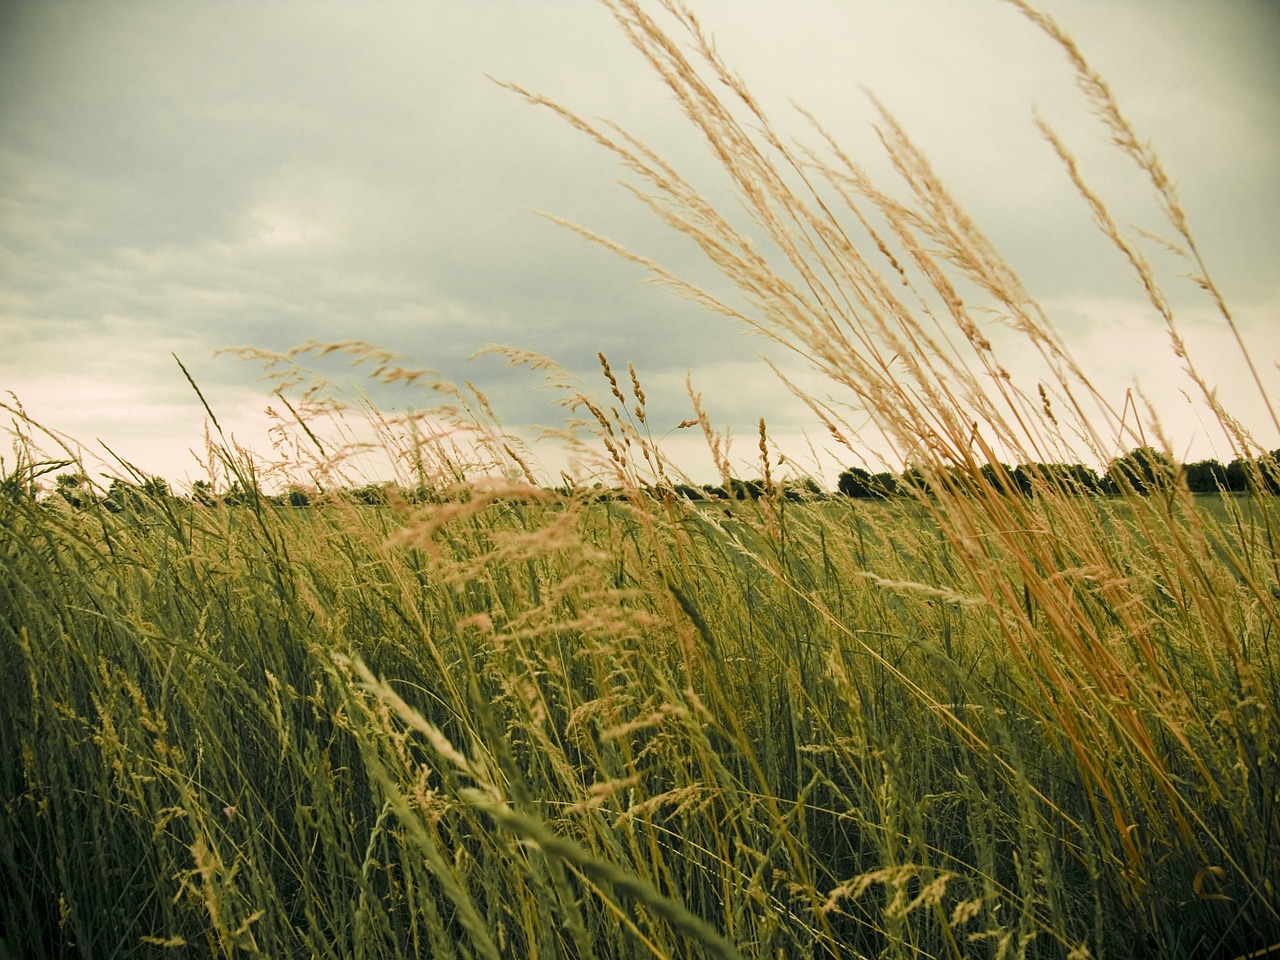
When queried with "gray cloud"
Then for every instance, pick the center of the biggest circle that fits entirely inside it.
(184, 177)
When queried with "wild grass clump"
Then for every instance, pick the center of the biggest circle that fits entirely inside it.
(476, 716)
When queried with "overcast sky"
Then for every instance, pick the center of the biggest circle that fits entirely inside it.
(179, 177)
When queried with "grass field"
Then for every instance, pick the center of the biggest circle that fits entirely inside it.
(498, 720)
(526, 727)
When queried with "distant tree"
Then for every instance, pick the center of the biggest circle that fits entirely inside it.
(886, 484)
(1080, 478)
(421, 493)
(998, 477)
(1205, 476)
(658, 492)
(795, 492)
(856, 482)
(1271, 472)
(154, 489)
(689, 492)
(862, 484)
(913, 480)
(296, 496)
(808, 489)
(123, 496)
(202, 493)
(1260, 476)
(372, 494)
(1237, 476)
(1072, 478)
(243, 494)
(74, 489)
(1143, 470)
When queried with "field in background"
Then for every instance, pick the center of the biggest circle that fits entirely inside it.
(497, 719)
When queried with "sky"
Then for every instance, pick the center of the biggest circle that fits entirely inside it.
(180, 178)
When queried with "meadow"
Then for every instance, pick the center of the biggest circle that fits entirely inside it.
(501, 718)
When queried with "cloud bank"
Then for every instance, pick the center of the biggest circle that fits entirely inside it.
(179, 178)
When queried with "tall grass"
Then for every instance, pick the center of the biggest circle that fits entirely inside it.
(500, 720)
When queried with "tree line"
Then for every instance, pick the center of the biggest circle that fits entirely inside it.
(1142, 470)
